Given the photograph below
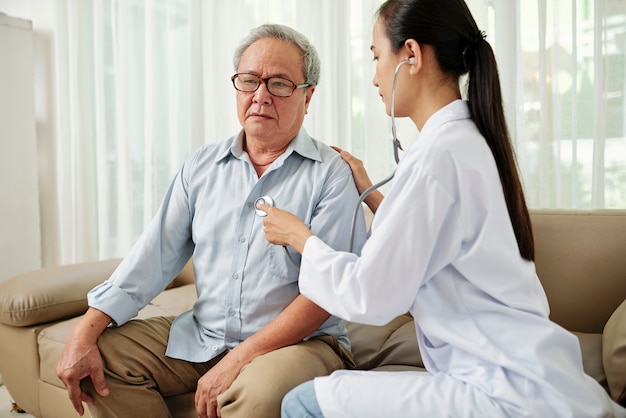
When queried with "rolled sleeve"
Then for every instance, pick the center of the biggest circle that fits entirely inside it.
(114, 302)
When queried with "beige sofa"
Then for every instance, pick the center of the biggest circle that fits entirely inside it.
(581, 260)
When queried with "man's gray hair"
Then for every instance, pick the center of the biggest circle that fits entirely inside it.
(309, 53)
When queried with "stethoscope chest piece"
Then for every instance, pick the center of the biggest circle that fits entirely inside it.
(263, 200)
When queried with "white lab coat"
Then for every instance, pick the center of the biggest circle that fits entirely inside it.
(443, 248)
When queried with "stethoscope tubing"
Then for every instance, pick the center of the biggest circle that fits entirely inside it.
(360, 201)
(396, 142)
(396, 147)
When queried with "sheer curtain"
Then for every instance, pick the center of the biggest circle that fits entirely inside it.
(563, 68)
(140, 85)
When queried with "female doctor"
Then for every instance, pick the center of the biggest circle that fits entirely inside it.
(451, 243)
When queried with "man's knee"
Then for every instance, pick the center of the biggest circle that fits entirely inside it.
(253, 398)
(260, 387)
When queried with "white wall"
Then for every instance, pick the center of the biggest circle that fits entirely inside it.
(42, 14)
(43, 23)
(20, 237)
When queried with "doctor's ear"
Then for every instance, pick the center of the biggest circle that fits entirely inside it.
(414, 50)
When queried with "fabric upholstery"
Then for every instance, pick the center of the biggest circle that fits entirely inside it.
(591, 349)
(614, 353)
(50, 294)
(580, 262)
(394, 344)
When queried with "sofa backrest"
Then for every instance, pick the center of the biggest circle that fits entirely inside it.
(581, 262)
(186, 276)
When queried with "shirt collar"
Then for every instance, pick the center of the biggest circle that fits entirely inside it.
(302, 144)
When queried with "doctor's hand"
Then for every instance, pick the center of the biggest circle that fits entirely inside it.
(284, 228)
(361, 179)
(359, 173)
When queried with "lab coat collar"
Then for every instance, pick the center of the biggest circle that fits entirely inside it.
(456, 110)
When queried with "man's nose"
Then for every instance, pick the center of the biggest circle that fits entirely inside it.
(262, 94)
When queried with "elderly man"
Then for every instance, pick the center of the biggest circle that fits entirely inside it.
(250, 337)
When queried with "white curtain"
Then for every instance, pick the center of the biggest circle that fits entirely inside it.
(563, 68)
(141, 84)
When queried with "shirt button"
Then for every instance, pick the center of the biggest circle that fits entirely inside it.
(214, 348)
(235, 276)
(231, 312)
(242, 239)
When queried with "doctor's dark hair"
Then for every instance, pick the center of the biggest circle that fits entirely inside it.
(460, 47)
(311, 63)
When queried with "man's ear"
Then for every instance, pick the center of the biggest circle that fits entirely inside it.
(309, 93)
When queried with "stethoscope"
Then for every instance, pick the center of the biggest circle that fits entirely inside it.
(396, 153)
(267, 200)
(263, 200)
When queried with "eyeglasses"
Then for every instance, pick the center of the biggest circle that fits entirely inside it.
(277, 86)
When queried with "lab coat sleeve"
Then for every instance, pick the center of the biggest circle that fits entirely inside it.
(415, 233)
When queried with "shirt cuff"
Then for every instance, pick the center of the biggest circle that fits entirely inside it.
(114, 302)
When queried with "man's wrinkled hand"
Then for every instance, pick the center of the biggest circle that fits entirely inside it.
(76, 363)
(215, 382)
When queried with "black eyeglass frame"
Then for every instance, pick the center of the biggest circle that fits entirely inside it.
(266, 81)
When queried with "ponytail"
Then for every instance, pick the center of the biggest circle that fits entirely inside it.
(449, 27)
(485, 104)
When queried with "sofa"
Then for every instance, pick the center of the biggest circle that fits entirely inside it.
(580, 259)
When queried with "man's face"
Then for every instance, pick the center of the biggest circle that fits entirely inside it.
(263, 116)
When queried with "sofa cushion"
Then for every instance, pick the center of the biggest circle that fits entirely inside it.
(591, 349)
(51, 342)
(614, 353)
(52, 339)
(392, 346)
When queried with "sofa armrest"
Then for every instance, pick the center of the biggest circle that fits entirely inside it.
(52, 293)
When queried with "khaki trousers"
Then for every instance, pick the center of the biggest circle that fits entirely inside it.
(139, 374)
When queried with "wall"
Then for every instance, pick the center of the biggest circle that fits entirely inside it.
(42, 14)
(20, 248)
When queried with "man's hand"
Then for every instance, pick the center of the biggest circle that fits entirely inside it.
(214, 383)
(291, 326)
(76, 363)
(81, 358)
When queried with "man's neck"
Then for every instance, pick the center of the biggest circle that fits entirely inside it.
(261, 154)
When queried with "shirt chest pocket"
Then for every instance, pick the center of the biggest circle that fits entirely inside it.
(283, 262)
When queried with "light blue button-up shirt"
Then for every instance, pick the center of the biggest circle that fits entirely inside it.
(242, 280)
